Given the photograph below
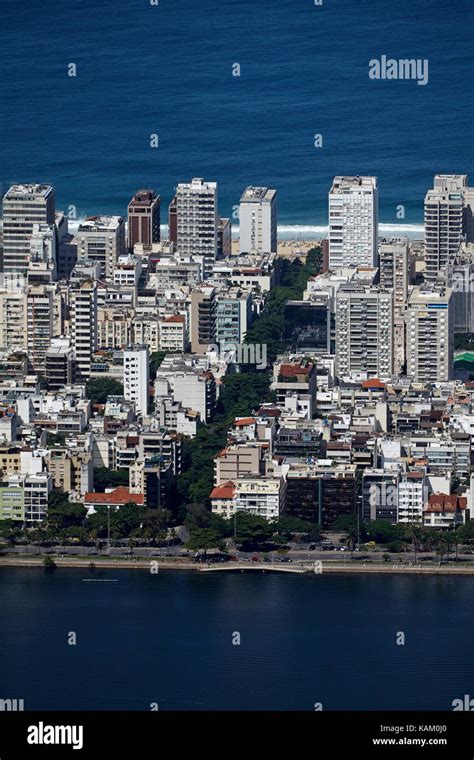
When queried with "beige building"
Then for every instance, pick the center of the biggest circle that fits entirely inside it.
(394, 262)
(114, 327)
(146, 332)
(12, 320)
(202, 317)
(235, 462)
(71, 472)
(430, 336)
(173, 334)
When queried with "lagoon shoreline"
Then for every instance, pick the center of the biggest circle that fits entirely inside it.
(304, 568)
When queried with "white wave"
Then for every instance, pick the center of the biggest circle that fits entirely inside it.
(303, 231)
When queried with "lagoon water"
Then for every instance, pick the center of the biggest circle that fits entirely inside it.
(166, 69)
(167, 638)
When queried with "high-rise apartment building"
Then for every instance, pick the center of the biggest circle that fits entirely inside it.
(144, 218)
(12, 320)
(394, 266)
(101, 239)
(39, 324)
(444, 221)
(83, 308)
(353, 222)
(364, 331)
(202, 318)
(430, 336)
(197, 221)
(258, 220)
(24, 206)
(136, 377)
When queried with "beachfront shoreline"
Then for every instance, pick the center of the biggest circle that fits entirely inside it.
(170, 565)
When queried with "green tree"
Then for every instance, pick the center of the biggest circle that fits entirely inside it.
(205, 539)
(415, 535)
(62, 513)
(252, 531)
(98, 389)
(105, 478)
(155, 361)
(49, 564)
(156, 523)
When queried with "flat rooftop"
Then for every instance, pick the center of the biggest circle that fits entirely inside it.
(33, 189)
(257, 194)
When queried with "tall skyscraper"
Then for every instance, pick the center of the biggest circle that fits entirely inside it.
(258, 220)
(144, 218)
(102, 239)
(39, 324)
(23, 207)
(83, 307)
(394, 266)
(364, 331)
(430, 336)
(136, 377)
(444, 217)
(353, 222)
(197, 221)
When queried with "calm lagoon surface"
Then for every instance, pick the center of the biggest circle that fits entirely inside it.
(167, 638)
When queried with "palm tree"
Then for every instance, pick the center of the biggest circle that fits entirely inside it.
(351, 539)
(415, 532)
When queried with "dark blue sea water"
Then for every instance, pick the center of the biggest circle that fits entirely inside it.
(167, 69)
(167, 638)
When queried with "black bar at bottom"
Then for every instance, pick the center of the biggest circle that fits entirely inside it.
(376, 734)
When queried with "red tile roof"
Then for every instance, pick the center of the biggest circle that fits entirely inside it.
(175, 318)
(244, 421)
(443, 502)
(292, 370)
(120, 496)
(373, 382)
(224, 491)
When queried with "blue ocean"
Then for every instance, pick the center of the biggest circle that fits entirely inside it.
(235, 91)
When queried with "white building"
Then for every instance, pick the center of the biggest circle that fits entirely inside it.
(264, 497)
(83, 307)
(258, 220)
(173, 334)
(197, 221)
(364, 331)
(24, 206)
(43, 246)
(353, 222)
(136, 377)
(102, 239)
(412, 496)
(444, 215)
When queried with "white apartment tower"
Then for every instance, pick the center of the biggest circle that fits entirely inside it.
(102, 239)
(364, 331)
(444, 221)
(430, 336)
(197, 221)
(83, 308)
(353, 222)
(24, 206)
(258, 220)
(136, 377)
